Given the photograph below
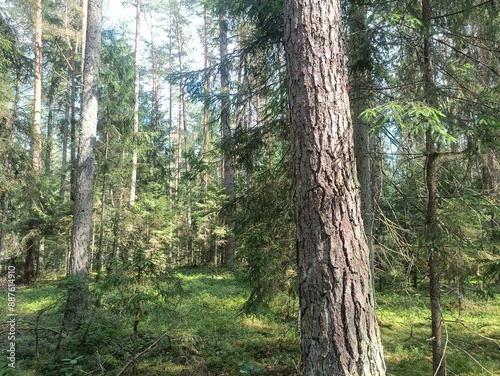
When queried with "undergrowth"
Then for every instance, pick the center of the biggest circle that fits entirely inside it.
(197, 313)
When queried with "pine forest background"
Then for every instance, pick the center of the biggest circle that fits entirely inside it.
(193, 174)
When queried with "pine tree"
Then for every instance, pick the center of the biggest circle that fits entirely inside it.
(81, 236)
(339, 330)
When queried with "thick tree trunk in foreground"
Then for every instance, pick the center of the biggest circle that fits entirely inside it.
(82, 220)
(339, 331)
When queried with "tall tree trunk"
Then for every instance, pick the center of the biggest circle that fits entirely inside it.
(180, 114)
(73, 125)
(117, 230)
(338, 325)
(206, 95)
(189, 208)
(136, 100)
(359, 96)
(206, 246)
(100, 249)
(64, 146)
(155, 95)
(431, 216)
(36, 147)
(65, 126)
(170, 107)
(170, 143)
(228, 171)
(50, 125)
(155, 100)
(37, 122)
(73, 121)
(83, 32)
(81, 236)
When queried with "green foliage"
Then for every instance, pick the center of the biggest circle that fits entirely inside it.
(417, 118)
(138, 285)
(406, 333)
(267, 16)
(266, 236)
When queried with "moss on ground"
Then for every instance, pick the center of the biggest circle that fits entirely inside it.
(209, 335)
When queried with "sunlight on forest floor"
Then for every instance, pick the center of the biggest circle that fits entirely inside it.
(209, 335)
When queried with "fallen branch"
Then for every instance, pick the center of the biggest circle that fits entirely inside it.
(461, 322)
(137, 356)
(35, 327)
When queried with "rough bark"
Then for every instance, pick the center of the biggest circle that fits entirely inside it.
(82, 223)
(338, 325)
(81, 236)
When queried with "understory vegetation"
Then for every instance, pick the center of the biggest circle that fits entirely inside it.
(205, 332)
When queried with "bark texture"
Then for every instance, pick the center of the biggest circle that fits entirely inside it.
(339, 330)
(82, 220)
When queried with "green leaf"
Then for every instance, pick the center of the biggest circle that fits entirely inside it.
(414, 117)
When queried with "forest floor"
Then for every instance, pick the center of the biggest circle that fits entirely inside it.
(207, 334)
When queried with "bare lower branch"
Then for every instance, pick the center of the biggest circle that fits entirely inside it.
(137, 356)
